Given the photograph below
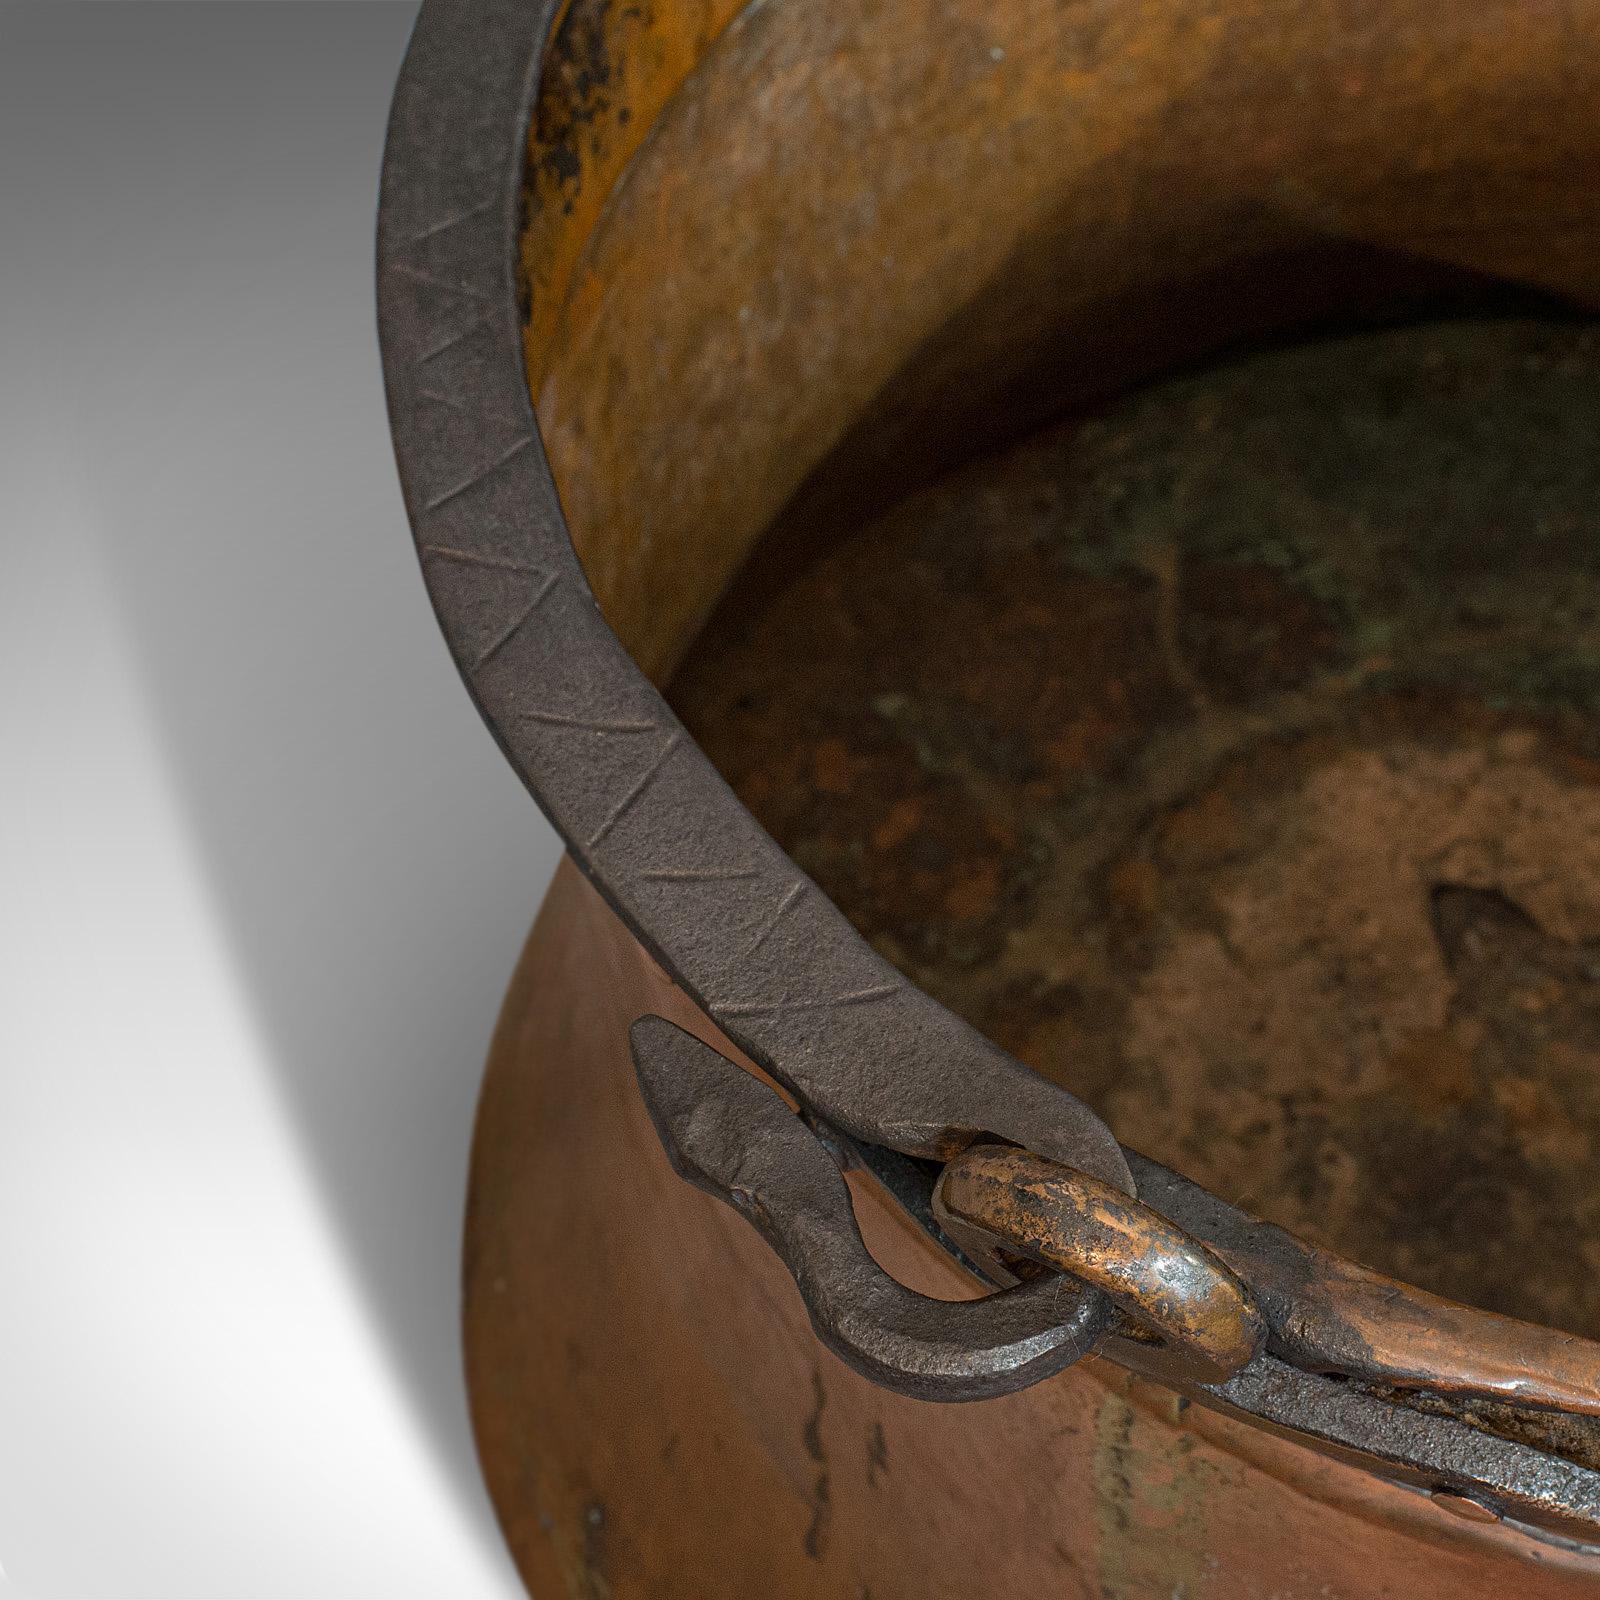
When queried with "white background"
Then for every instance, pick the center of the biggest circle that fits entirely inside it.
(264, 875)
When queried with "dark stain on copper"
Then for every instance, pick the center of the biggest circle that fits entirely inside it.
(575, 90)
(877, 1454)
(816, 1536)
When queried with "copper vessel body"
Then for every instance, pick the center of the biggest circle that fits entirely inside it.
(657, 1420)
(780, 266)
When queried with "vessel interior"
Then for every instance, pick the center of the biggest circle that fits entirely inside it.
(1117, 493)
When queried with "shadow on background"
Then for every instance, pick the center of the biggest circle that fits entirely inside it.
(209, 202)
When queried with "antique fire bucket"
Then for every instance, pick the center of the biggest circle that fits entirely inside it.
(1042, 556)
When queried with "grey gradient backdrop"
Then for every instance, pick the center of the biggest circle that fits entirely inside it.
(265, 873)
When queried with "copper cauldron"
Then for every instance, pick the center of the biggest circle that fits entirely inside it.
(1108, 926)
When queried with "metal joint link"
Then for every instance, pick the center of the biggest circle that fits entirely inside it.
(733, 1136)
(997, 1201)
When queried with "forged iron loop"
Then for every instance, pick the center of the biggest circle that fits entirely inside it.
(731, 1135)
(994, 1199)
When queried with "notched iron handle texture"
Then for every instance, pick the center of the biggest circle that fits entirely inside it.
(729, 1134)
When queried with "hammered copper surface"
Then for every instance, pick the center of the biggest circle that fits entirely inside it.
(1233, 757)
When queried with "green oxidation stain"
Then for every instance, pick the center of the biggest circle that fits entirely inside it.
(1152, 1488)
(1418, 486)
